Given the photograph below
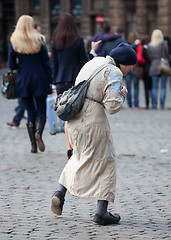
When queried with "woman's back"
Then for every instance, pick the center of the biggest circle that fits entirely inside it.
(28, 53)
(68, 62)
(155, 53)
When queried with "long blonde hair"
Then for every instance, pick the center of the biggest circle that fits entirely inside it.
(25, 39)
(156, 38)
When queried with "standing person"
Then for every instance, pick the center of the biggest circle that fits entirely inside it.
(139, 75)
(146, 76)
(68, 57)
(131, 78)
(104, 35)
(20, 109)
(91, 171)
(158, 48)
(28, 53)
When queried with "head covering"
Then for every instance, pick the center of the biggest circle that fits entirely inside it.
(124, 54)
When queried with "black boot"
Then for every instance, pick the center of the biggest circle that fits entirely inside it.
(57, 202)
(31, 132)
(40, 123)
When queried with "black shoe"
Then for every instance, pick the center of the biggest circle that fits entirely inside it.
(107, 219)
(57, 203)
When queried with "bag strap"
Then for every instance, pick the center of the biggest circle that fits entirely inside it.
(97, 71)
(93, 75)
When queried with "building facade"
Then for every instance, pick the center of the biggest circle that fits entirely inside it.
(140, 16)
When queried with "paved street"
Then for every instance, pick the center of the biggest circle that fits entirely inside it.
(143, 196)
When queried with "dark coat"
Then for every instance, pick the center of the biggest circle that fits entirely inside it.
(34, 72)
(109, 45)
(103, 37)
(67, 63)
(147, 62)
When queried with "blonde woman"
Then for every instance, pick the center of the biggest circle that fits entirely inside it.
(157, 48)
(28, 54)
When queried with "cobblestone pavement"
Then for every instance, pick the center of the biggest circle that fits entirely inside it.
(143, 195)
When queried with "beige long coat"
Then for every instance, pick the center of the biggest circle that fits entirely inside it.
(91, 171)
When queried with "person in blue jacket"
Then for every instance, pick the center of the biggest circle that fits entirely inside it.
(68, 57)
(104, 35)
(28, 53)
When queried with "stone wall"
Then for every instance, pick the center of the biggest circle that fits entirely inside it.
(115, 11)
(164, 16)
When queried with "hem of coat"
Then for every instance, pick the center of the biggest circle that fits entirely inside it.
(110, 199)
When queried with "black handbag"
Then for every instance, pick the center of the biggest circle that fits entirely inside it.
(70, 103)
(8, 85)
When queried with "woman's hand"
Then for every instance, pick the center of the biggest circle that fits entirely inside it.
(94, 45)
(124, 90)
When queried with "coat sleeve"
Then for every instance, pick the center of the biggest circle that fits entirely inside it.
(140, 59)
(46, 62)
(111, 36)
(12, 58)
(82, 52)
(54, 63)
(104, 49)
(166, 50)
(113, 99)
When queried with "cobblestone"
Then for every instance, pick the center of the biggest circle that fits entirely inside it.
(143, 191)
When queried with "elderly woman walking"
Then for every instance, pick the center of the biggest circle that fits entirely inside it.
(91, 171)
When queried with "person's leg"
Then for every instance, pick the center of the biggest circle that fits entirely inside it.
(136, 91)
(154, 91)
(40, 102)
(102, 217)
(128, 80)
(149, 89)
(58, 199)
(19, 112)
(102, 207)
(146, 90)
(163, 90)
(69, 147)
(30, 107)
(31, 113)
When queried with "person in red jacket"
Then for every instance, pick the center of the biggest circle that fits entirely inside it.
(135, 75)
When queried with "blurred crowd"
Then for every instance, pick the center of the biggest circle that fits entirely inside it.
(150, 50)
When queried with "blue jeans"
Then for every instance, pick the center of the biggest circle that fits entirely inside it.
(36, 108)
(155, 86)
(20, 109)
(128, 78)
